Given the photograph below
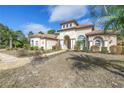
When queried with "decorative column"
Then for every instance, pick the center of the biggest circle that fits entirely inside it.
(72, 43)
(90, 44)
(62, 43)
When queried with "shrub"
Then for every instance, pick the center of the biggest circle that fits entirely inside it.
(122, 50)
(26, 46)
(104, 50)
(95, 48)
(34, 48)
(85, 49)
(119, 49)
(2, 46)
(42, 48)
(56, 47)
(115, 49)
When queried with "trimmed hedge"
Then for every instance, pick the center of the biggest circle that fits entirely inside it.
(56, 47)
(122, 50)
(34, 48)
(104, 50)
(115, 49)
(95, 48)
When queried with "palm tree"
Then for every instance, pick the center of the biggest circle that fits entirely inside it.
(115, 20)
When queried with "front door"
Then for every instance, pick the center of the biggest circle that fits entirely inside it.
(67, 42)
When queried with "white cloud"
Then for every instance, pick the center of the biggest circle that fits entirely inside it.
(63, 12)
(85, 21)
(35, 28)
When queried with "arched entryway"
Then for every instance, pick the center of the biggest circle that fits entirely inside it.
(67, 41)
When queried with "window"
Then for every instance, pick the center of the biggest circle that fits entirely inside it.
(81, 38)
(63, 26)
(36, 43)
(67, 25)
(70, 25)
(32, 43)
(98, 43)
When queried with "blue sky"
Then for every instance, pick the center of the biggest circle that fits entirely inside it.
(41, 18)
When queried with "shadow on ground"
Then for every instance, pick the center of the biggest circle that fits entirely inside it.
(88, 62)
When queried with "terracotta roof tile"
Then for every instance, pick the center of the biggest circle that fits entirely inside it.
(78, 27)
(99, 32)
(70, 21)
(49, 36)
(84, 26)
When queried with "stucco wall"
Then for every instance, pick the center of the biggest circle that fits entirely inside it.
(45, 43)
(73, 34)
(40, 42)
(50, 43)
(109, 40)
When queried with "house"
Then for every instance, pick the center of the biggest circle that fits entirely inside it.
(71, 32)
(46, 41)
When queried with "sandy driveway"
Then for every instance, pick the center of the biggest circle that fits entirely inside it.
(70, 69)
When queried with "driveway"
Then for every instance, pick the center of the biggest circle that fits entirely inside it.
(70, 69)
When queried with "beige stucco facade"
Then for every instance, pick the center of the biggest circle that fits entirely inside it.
(42, 42)
(73, 35)
(106, 40)
(70, 32)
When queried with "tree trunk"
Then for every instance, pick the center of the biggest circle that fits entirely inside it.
(10, 42)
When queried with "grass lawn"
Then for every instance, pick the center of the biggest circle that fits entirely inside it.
(70, 69)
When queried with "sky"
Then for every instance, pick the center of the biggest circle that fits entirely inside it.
(42, 17)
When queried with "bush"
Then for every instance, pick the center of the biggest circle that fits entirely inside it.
(104, 50)
(122, 50)
(2, 46)
(85, 49)
(56, 47)
(34, 48)
(95, 48)
(42, 48)
(26, 46)
(115, 49)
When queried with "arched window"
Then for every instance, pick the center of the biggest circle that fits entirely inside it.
(99, 41)
(81, 38)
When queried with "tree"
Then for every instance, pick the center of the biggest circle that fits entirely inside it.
(52, 31)
(30, 33)
(40, 32)
(10, 38)
(114, 20)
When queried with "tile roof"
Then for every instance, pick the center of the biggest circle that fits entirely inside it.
(78, 27)
(84, 26)
(100, 32)
(70, 21)
(48, 36)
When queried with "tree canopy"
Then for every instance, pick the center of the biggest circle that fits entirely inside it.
(40, 32)
(10, 38)
(52, 31)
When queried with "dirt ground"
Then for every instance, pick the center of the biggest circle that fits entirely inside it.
(68, 70)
